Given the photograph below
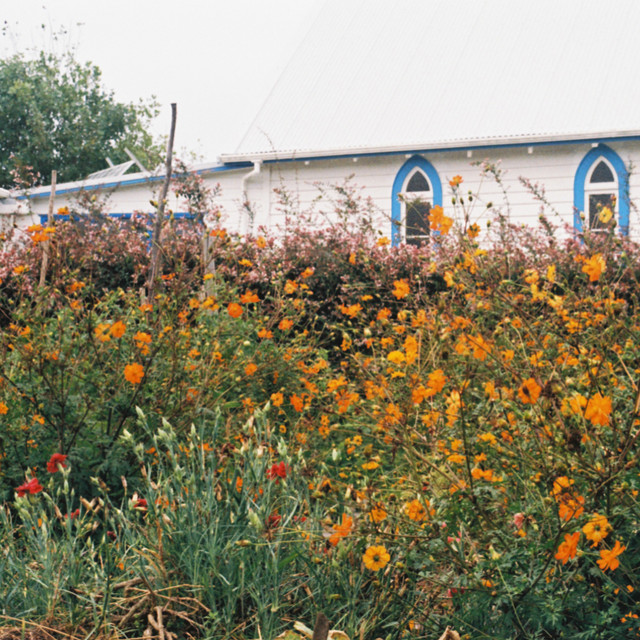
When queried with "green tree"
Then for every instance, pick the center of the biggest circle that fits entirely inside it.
(56, 114)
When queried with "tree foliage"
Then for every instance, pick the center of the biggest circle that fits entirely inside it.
(56, 114)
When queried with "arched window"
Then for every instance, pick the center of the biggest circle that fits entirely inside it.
(416, 189)
(601, 182)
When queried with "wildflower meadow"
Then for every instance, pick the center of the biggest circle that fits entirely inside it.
(311, 420)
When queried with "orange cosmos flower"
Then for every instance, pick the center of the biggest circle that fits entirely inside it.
(567, 549)
(415, 510)
(455, 181)
(248, 297)
(376, 557)
(594, 267)
(250, 369)
(118, 329)
(598, 410)
(609, 559)
(297, 402)
(377, 513)
(134, 373)
(401, 289)
(234, 310)
(3, 409)
(529, 391)
(341, 530)
(597, 529)
(285, 324)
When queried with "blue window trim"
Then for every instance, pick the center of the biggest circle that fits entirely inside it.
(415, 162)
(602, 151)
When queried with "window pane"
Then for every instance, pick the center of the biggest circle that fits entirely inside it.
(602, 173)
(417, 222)
(597, 202)
(418, 182)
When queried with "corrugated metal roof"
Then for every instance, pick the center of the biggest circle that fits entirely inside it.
(412, 73)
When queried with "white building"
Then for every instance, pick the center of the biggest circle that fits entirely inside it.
(405, 95)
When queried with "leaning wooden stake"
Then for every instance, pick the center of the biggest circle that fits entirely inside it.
(155, 268)
(47, 244)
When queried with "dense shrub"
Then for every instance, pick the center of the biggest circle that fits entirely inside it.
(404, 438)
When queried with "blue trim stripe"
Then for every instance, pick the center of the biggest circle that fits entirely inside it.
(602, 151)
(415, 162)
(127, 183)
(122, 216)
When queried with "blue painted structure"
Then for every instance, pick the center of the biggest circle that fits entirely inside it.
(601, 151)
(413, 163)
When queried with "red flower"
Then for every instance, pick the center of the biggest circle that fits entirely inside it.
(56, 458)
(277, 471)
(73, 514)
(32, 486)
(140, 504)
(274, 520)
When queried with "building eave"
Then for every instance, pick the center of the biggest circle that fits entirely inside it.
(432, 147)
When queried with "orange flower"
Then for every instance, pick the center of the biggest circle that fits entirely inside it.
(134, 373)
(594, 267)
(569, 506)
(297, 402)
(438, 221)
(567, 549)
(376, 557)
(118, 329)
(455, 181)
(277, 399)
(401, 289)
(598, 409)
(377, 513)
(248, 297)
(609, 559)
(597, 529)
(341, 530)
(250, 369)
(415, 510)
(234, 310)
(529, 391)
(102, 333)
(3, 409)
(285, 324)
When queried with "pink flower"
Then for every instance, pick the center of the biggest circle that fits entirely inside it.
(518, 520)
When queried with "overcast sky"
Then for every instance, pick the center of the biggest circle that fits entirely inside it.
(217, 59)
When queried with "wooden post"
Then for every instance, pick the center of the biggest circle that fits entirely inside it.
(47, 244)
(156, 255)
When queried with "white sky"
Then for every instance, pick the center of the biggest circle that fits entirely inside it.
(217, 59)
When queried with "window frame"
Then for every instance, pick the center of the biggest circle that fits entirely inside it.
(398, 196)
(583, 188)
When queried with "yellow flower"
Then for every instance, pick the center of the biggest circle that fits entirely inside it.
(597, 529)
(605, 215)
(397, 357)
(376, 558)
